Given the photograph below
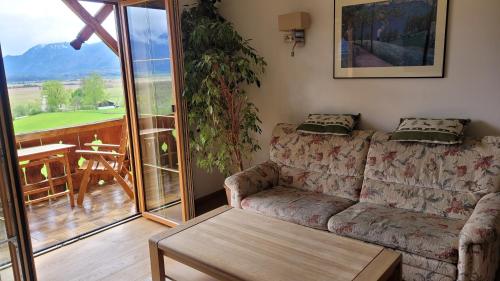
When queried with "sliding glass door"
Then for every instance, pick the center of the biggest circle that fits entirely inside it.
(9, 243)
(16, 257)
(154, 102)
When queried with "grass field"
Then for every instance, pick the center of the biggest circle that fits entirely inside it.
(46, 121)
(153, 97)
(22, 95)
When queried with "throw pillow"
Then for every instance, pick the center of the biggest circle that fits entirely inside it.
(329, 124)
(428, 130)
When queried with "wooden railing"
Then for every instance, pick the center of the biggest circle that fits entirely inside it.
(107, 132)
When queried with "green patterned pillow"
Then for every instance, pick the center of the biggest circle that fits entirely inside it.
(329, 124)
(426, 130)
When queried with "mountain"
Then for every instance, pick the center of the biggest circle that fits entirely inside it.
(142, 49)
(59, 61)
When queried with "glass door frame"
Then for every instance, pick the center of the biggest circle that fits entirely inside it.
(185, 183)
(15, 218)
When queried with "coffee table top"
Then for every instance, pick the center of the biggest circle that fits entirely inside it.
(232, 244)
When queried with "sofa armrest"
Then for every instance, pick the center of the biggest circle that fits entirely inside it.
(479, 248)
(484, 223)
(251, 181)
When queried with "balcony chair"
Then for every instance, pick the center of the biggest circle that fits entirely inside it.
(107, 161)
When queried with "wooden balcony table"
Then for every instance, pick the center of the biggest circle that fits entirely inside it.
(45, 155)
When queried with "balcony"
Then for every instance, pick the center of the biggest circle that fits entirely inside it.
(54, 221)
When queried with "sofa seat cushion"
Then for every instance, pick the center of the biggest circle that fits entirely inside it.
(411, 273)
(297, 206)
(426, 235)
(431, 266)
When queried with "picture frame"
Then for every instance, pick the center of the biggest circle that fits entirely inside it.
(390, 38)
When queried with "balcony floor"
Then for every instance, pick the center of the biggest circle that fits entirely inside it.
(53, 222)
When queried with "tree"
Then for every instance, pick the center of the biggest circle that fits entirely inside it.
(77, 98)
(219, 64)
(55, 94)
(93, 90)
(381, 13)
(362, 15)
(432, 15)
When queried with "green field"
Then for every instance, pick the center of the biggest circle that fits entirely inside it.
(19, 95)
(46, 121)
(153, 97)
(32, 93)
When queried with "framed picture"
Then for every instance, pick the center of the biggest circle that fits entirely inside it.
(390, 39)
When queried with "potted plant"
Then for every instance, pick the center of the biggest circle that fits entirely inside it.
(219, 64)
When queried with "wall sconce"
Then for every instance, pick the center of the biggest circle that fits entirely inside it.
(295, 24)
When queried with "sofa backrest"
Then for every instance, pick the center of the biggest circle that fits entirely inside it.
(437, 179)
(326, 164)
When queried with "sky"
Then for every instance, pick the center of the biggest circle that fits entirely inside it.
(27, 23)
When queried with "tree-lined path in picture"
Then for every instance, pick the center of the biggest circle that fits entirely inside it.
(389, 33)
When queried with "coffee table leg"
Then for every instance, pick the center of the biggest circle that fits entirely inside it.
(157, 262)
(397, 275)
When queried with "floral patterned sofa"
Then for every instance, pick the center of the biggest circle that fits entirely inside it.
(309, 178)
(438, 205)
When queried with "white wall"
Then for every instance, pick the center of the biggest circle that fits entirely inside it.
(206, 183)
(294, 87)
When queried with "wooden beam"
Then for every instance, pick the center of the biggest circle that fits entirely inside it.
(87, 18)
(132, 2)
(103, 1)
(87, 31)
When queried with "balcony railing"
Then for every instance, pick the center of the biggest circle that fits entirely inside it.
(159, 151)
(107, 132)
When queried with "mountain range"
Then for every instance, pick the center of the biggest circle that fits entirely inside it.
(59, 61)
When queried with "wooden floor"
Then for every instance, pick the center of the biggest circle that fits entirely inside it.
(120, 254)
(53, 222)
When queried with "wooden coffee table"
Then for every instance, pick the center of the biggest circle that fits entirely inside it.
(232, 244)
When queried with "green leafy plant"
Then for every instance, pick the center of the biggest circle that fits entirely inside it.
(27, 109)
(219, 64)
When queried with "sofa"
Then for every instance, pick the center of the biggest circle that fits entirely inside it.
(438, 205)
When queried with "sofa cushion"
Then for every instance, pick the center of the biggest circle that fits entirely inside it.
(438, 179)
(310, 161)
(346, 186)
(430, 266)
(411, 273)
(421, 234)
(301, 207)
